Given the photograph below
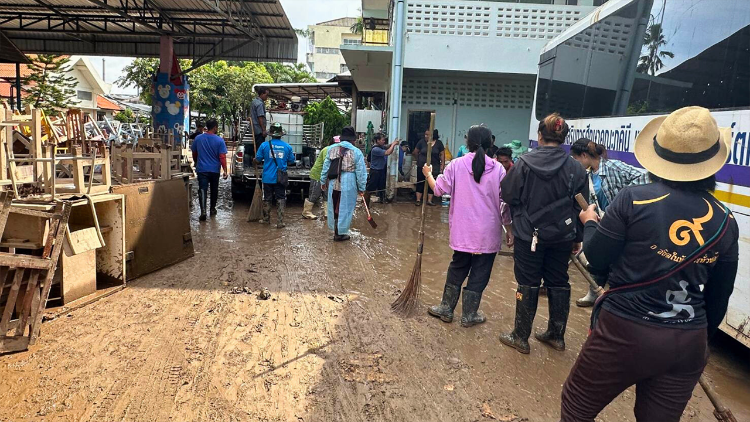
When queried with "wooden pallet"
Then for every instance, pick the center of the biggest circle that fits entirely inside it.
(28, 278)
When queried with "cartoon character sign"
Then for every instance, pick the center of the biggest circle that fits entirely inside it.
(164, 91)
(180, 94)
(173, 108)
(157, 107)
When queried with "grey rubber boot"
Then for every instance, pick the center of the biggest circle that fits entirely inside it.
(280, 213)
(527, 299)
(266, 213)
(202, 202)
(559, 308)
(471, 314)
(588, 300)
(444, 311)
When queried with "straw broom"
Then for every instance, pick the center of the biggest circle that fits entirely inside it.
(408, 301)
(256, 207)
(721, 412)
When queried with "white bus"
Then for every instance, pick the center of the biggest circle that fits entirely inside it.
(632, 60)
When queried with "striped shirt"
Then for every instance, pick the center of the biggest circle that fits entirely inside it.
(616, 175)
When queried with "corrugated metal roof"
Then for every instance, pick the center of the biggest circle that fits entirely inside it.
(202, 29)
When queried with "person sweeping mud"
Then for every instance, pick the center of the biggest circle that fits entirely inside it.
(657, 245)
(274, 154)
(540, 190)
(476, 217)
(606, 179)
(344, 176)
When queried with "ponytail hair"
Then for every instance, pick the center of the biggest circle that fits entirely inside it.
(587, 146)
(554, 128)
(479, 140)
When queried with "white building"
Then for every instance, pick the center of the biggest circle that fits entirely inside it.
(470, 62)
(324, 54)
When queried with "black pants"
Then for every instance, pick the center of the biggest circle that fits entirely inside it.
(208, 180)
(376, 182)
(663, 363)
(478, 267)
(273, 190)
(250, 150)
(550, 262)
(421, 179)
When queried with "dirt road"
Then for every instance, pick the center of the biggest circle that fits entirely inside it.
(189, 344)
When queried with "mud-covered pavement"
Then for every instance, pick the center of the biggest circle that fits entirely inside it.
(189, 343)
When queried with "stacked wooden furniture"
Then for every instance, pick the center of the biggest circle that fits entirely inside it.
(152, 158)
(26, 280)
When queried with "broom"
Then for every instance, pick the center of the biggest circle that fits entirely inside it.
(372, 222)
(256, 207)
(721, 412)
(407, 302)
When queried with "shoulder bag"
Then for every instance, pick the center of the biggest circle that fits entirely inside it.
(282, 177)
(335, 169)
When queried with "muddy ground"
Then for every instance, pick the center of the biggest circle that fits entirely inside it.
(182, 344)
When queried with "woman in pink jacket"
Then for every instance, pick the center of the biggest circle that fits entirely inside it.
(476, 219)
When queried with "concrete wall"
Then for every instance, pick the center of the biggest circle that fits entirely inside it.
(328, 37)
(501, 102)
(482, 36)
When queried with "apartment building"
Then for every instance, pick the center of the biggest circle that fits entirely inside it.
(324, 50)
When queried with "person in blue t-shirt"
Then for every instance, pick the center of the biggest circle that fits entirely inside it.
(274, 154)
(209, 156)
(378, 174)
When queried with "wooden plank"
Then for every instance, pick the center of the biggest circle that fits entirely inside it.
(10, 303)
(81, 241)
(23, 261)
(36, 320)
(28, 299)
(31, 212)
(13, 344)
(5, 200)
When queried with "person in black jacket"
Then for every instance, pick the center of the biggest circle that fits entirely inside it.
(540, 189)
(670, 252)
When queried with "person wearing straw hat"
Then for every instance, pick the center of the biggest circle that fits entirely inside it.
(669, 250)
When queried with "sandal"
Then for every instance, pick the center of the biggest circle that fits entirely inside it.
(418, 203)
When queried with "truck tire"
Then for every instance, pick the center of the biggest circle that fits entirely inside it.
(238, 191)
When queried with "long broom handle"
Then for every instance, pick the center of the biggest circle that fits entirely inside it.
(721, 412)
(255, 146)
(426, 185)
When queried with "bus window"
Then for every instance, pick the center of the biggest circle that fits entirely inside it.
(651, 56)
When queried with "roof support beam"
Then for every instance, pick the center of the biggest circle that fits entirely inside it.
(127, 16)
(214, 5)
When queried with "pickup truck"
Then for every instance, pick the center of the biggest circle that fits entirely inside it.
(243, 178)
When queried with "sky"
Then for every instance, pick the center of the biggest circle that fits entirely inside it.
(301, 13)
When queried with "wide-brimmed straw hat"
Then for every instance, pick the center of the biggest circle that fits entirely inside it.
(685, 146)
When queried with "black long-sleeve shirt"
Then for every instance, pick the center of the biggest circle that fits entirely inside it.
(649, 229)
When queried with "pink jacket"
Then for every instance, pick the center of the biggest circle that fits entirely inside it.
(477, 212)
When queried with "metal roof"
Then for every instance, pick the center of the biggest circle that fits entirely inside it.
(202, 29)
(310, 91)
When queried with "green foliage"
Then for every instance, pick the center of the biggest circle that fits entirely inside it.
(49, 86)
(222, 90)
(327, 112)
(125, 116)
(653, 41)
(359, 26)
(140, 74)
(304, 33)
(283, 73)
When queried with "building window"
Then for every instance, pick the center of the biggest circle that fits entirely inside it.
(599, 2)
(344, 68)
(352, 41)
(326, 50)
(84, 95)
(571, 2)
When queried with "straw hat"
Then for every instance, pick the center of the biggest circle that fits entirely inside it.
(685, 146)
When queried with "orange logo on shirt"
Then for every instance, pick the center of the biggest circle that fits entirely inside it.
(679, 232)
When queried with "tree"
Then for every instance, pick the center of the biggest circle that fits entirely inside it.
(653, 40)
(49, 86)
(327, 112)
(140, 74)
(283, 73)
(359, 26)
(125, 116)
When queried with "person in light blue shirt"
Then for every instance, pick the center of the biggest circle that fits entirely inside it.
(209, 156)
(274, 155)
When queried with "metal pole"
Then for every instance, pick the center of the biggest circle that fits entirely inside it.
(18, 86)
(397, 78)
